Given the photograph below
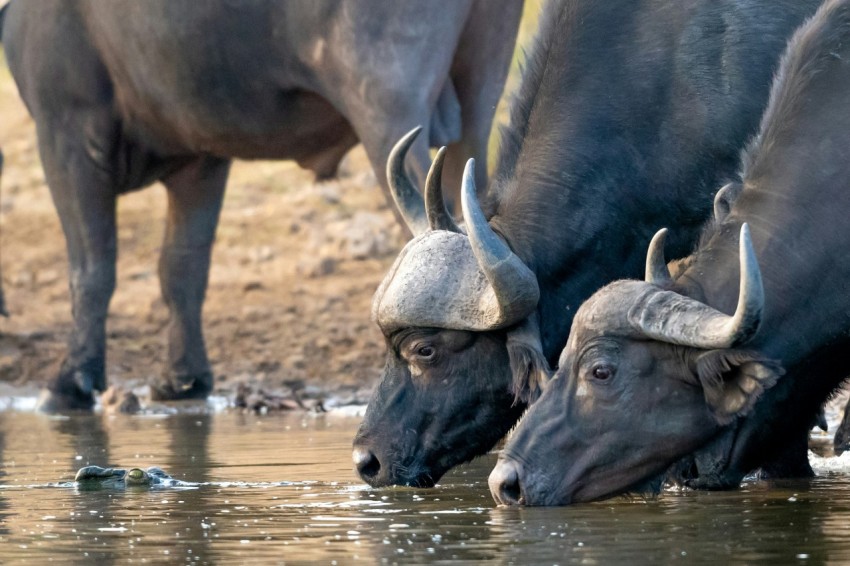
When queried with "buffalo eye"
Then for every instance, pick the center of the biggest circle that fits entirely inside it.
(426, 352)
(602, 372)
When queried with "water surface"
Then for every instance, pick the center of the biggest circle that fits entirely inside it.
(281, 489)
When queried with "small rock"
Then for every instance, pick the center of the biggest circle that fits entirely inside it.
(364, 235)
(268, 366)
(23, 278)
(140, 275)
(46, 276)
(367, 179)
(295, 362)
(330, 192)
(261, 402)
(10, 360)
(320, 267)
(262, 254)
(115, 400)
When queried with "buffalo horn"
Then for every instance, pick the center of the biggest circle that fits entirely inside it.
(745, 322)
(514, 285)
(676, 319)
(656, 266)
(435, 207)
(406, 197)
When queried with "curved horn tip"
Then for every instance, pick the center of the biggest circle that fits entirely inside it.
(435, 172)
(402, 146)
(439, 217)
(747, 255)
(748, 313)
(407, 198)
(411, 135)
(468, 190)
(656, 271)
(400, 149)
(748, 259)
(473, 215)
(469, 172)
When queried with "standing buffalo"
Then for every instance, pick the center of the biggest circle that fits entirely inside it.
(629, 115)
(125, 93)
(654, 371)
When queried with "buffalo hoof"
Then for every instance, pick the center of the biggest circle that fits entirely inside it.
(788, 469)
(73, 390)
(715, 482)
(183, 389)
(62, 402)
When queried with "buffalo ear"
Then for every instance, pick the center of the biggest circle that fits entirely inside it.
(733, 380)
(529, 367)
(724, 199)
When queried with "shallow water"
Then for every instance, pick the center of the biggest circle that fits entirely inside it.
(281, 488)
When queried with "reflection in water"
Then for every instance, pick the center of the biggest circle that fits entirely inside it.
(282, 488)
(88, 441)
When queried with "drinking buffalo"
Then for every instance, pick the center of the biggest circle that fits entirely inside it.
(125, 93)
(654, 371)
(629, 115)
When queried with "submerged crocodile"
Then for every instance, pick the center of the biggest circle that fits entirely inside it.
(96, 477)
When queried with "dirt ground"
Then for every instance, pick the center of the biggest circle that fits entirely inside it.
(294, 269)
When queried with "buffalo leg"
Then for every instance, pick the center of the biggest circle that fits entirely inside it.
(378, 146)
(84, 196)
(195, 194)
(792, 461)
(479, 83)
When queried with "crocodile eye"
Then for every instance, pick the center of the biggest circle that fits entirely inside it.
(136, 474)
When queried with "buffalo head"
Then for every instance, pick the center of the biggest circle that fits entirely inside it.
(647, 377)
(457, 311)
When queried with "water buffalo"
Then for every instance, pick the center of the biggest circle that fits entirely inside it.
(656, 370)
(629, 115)
(126, 93)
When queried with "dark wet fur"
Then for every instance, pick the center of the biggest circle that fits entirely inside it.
(805, 58)
(554, 20)
(809, 53)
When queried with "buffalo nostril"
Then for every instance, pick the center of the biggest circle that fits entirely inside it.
(367, 464)
(511, 492)
(505, 485)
